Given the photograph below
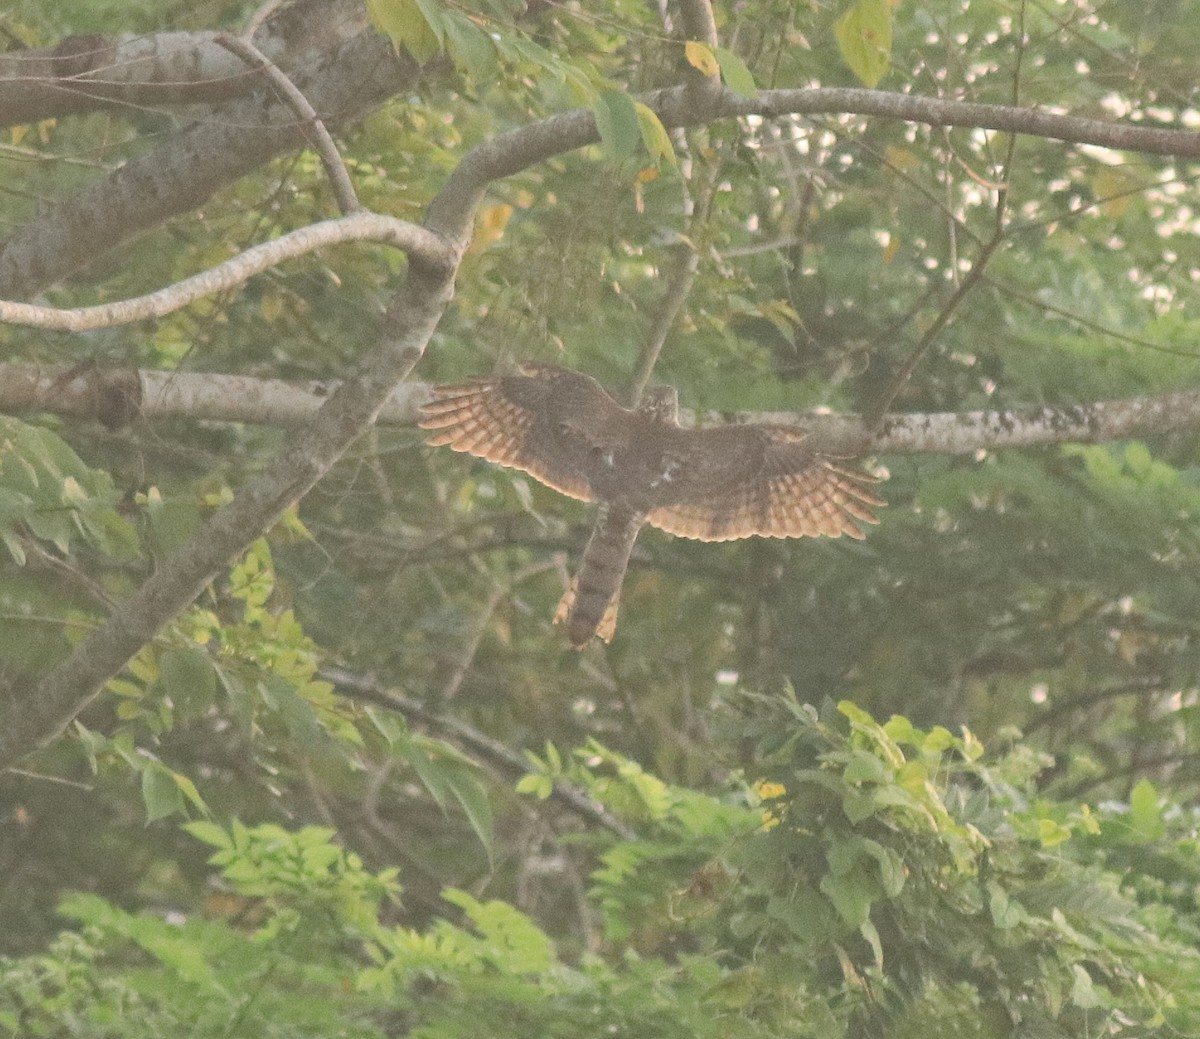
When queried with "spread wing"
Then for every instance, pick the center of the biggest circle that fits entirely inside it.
(738, 481)
(544, 421)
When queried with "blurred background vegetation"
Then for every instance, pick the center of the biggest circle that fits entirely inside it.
(941, 782)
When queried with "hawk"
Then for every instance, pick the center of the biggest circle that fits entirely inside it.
(716, 484)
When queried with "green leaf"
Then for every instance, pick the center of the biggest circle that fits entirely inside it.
(209, 833)
(900, 729)
(447, 774)
(1083, 991)
(866, 767)
(15, 549)
(618, 124)
(405, 24)
(302, 720)
(864, 37)
(809, 916)
(736, 73)
(1138, 458)
(871, 936)
(1052, 833)
(173, 948)
(938, 740)
(1145, 812)
(472, 798)
(517, 945)
(160, 793)
(850, 896)
(1006, 913)
(654, 135)
(891, 867)
(187, 676)
(173, 521)
(189, 791)
(471, 49)
(539, 786)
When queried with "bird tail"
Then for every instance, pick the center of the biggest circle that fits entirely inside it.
(589, 605)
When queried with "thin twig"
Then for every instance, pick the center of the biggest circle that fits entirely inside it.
(698, 204)
(1083, 322)
(43, 778)
(875, 417)
(499, 754)
(680, 284)
(1057, 708)
(499, 594)
(1078, 790)
(343, 189)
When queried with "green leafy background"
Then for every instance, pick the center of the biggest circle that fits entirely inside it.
(937, 783)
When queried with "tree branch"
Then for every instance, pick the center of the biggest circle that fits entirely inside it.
(35, 716)
(518, 149)
(335, 169)
(234, 398)
(499, 754)
(185, 172)
(93, 72)
(182, 175)
(419, 244)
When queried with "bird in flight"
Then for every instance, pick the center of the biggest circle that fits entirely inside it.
(641, 466)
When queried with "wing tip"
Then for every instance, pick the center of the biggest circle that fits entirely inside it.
(826, 501)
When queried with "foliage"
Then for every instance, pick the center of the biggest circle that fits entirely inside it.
(216, 845)
(878, 879)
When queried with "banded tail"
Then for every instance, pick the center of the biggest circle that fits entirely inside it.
(589, 605)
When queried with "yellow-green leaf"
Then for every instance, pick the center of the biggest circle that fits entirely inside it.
(403, 22)
(617, 121)
(736, 73)
(864, 37)
(654, 134)
(699, 56)
(188, 789)
(1083, 990)
(160, 794)
(1145, 813)
(1114, 188)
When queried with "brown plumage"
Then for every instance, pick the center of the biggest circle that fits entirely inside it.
(714, 484)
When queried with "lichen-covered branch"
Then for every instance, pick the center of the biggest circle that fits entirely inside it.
(81, 393)
(96, 71)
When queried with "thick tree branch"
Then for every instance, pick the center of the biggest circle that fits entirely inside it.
(86, 73)
(967, 432)
(519, 149)
(80, 393)
(185, 172)
(419, 244)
